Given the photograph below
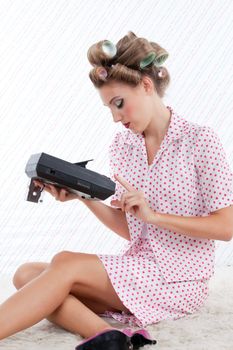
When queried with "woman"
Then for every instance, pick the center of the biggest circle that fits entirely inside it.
(173, 199)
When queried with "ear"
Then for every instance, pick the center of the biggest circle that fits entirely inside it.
(148, 85)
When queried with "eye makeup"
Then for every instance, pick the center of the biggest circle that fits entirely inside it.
(119, 103)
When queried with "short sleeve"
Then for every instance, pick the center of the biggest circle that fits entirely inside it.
(114, 164)
(214, 173)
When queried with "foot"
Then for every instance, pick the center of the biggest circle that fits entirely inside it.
(109, 339)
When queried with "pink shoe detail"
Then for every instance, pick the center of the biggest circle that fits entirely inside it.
(128, 332)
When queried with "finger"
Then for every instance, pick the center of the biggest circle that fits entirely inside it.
(124, 183)
(116, 203)
(63, 195)
(42, 186)
(128, 195)
(125, 196)
(53, 191)
(131, 203)
(38, 183)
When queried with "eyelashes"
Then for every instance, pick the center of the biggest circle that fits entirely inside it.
(119, 103)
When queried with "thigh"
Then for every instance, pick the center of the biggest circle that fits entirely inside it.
(31, 270)
(91, 280)
(96, 306)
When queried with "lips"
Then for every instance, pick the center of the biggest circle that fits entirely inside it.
(127, 125)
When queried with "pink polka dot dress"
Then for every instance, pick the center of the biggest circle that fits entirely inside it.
(161, 274)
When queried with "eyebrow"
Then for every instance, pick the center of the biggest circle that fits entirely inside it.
(113, 99)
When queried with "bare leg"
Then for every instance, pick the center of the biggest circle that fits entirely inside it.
(73, 315)
(46, 293)
(68, 314)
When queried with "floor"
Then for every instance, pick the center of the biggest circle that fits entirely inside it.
(210, 328)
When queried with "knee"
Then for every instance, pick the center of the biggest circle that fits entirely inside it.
(24, 274)
(62, 259)
(65, 263)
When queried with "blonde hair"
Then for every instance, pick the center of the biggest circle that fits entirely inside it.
(124, 66)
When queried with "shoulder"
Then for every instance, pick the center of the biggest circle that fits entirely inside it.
(182, 128)
(200, 138)
(207, 146)
(201, 134)
(206, 137)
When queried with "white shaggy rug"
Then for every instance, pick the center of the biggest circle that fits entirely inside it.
(210, 329)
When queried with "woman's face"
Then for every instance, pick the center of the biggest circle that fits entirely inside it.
(129, 105)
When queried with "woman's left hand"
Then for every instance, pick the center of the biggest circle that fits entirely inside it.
(133, 201)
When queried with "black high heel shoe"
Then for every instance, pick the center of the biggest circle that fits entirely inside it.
(139, 338)
(114, 339)
(110, 339)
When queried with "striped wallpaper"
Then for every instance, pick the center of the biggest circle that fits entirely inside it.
(47, 104)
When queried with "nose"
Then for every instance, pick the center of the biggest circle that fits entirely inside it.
(116, 116)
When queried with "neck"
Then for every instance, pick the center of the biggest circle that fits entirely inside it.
(158, 125)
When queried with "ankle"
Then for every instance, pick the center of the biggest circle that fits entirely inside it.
(96, 331)
(108, 328)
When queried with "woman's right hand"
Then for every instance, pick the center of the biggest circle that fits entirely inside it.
(60, 194)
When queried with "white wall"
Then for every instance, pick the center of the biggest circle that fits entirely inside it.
(47, 103)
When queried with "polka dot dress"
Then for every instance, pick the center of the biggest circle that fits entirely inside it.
(161, 274)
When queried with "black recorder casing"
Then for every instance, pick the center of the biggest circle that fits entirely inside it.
(73, 177)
